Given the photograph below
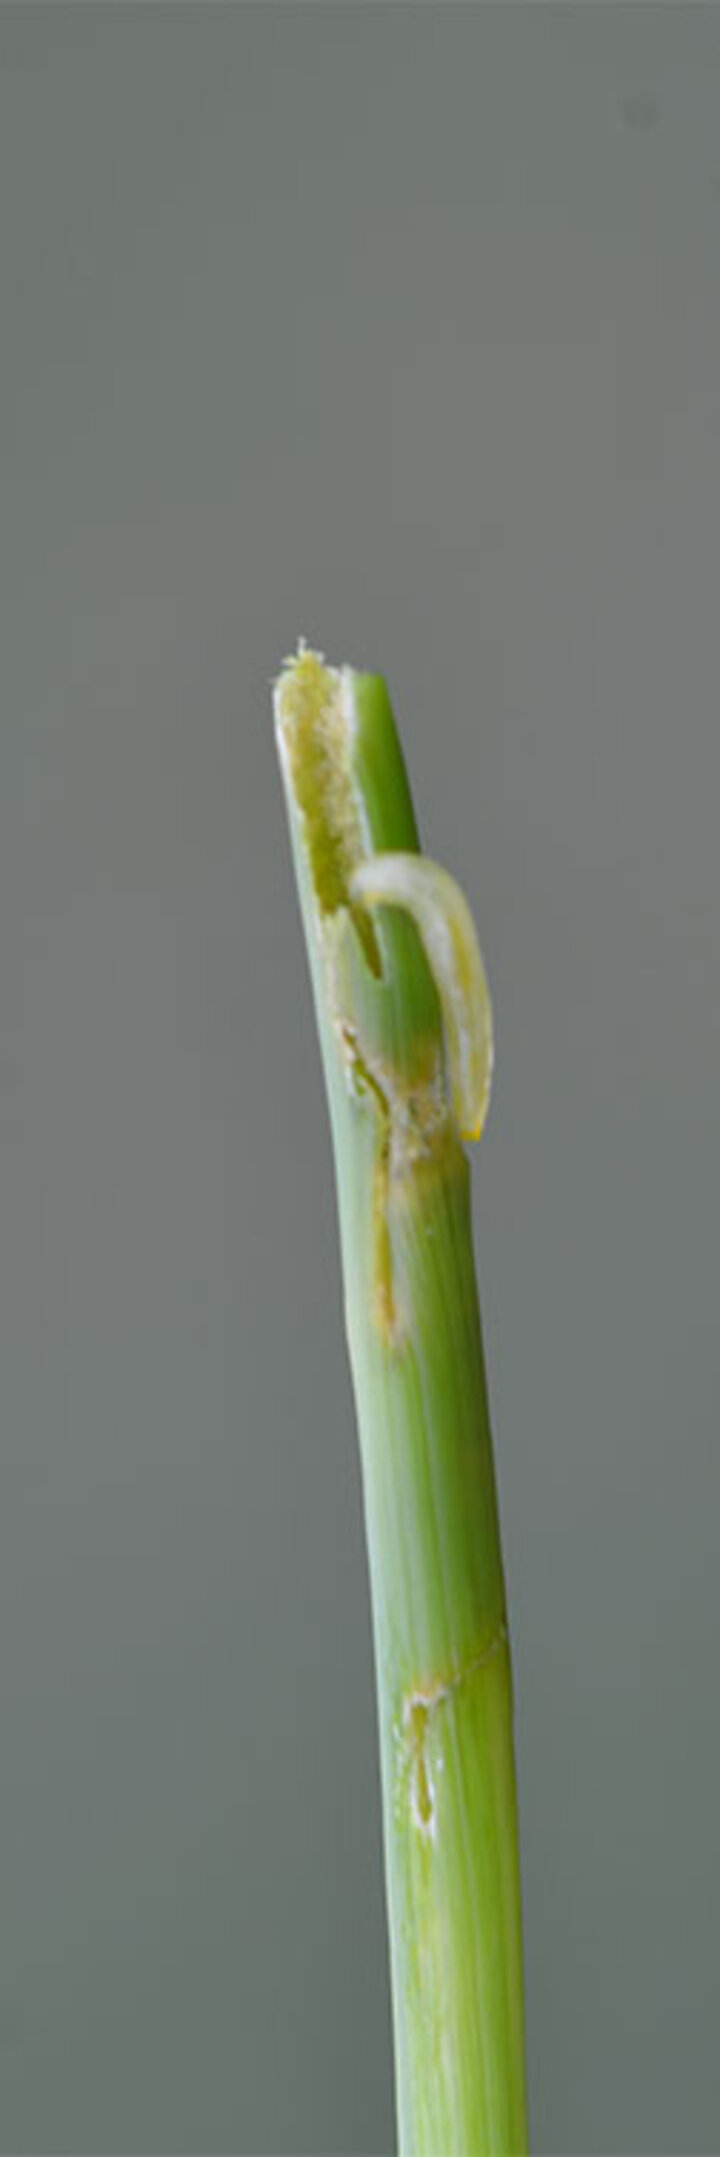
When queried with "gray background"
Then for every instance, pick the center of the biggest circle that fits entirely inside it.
(399, 327)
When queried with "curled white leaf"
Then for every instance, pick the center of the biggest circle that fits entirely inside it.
(447, 932)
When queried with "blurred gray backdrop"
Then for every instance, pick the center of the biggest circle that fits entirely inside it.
(399, 327)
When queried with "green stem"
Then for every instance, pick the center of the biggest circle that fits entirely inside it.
(440, 1629)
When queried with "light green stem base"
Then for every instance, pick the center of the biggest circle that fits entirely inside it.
(444, 1684)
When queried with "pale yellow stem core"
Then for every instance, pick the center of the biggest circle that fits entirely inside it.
(446, 929)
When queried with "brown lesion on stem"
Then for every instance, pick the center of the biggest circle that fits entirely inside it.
(422, 1705)
(366, 1081)
(415, 1139)
(422, 1793)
